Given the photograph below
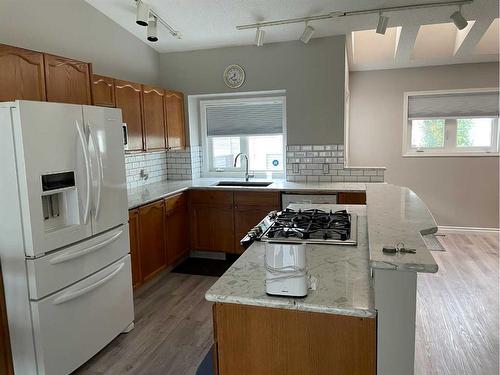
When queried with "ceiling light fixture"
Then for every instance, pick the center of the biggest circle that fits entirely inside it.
(382, 24)
(142, 13)
(152, 30)
(307, 34)
(338, 14)
(259, 37)
(458, 19)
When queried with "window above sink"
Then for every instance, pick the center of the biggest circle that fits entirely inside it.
(254, 126)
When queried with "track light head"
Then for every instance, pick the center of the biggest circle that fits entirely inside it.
(142, 13)
(458, 19)
(259, 37)
(382, 24)
(153, 30)
(307, 34)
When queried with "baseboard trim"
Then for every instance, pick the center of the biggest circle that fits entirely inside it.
(465, 230)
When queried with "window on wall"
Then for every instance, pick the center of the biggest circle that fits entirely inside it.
(444, 123)
(254, 126)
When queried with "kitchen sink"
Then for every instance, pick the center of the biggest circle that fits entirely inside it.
(244, 183)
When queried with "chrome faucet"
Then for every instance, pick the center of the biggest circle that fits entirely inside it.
(247, 175)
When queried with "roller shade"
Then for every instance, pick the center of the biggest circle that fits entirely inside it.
(470, 104)
(245, 119)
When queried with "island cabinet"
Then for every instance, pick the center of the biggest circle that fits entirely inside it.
(103, 91)
(176, 228)
(67, 80)
(153, 257)
(351, 197)
(128, 97)
(153, 118)
(5, 352)
(174, 112)
(22, 74)
(272, 341)
(250, 207)
(212, 220)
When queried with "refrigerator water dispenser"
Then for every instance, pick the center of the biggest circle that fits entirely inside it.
(59, 201)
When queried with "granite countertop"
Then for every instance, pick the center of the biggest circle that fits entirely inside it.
(343, 286)
(151, 192)
(397, 214)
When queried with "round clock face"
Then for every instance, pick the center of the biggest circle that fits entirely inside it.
(234, 76)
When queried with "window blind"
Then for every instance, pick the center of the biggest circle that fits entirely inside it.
(470, 104)
(245, 119)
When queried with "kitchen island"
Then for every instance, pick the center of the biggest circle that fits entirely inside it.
(360, 319)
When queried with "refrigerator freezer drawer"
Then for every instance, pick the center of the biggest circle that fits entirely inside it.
(59, 269)
(73, 325)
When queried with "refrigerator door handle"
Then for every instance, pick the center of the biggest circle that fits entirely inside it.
(99, 171)
(87, 171)
(80, 292)
(76, 254)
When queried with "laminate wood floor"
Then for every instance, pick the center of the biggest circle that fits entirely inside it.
(457, 309)
(457, 319)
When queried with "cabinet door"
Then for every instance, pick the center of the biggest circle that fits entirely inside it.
(22, 75)
(152, 239)
(128, 99)
(213, 227)
(351, 198)
(176, 229)
(133, 225)
(174, 110)
(103, 92)
(5, 352)
(153, 117)
(67, 80)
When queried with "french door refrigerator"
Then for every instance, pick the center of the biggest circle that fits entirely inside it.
(64, 243)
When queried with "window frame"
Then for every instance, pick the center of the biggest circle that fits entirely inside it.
(449, 147)
(207, 168)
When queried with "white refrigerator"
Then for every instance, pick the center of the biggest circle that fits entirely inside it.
(64, 242)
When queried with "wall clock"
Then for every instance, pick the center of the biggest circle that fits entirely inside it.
(234, 76)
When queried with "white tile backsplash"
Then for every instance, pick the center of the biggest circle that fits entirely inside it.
(153, 164)
(325, 163)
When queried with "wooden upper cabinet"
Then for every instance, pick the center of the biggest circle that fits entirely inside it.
(153, 257)
(174, 110)
(128, 99)
(67, 80)
(22, 74)
(103, 91)
(153, 117)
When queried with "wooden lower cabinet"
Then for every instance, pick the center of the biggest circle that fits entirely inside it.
(176, 228)
(6, 367)
(351, 197)
(134, 234)
(153, 257)
(250, 208)
(269, 341)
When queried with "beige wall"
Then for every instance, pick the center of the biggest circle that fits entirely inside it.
(460, 191)
(75, 29)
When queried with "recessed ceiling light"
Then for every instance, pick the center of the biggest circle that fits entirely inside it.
(259, 37)
(382, 24)
(458, 19)
(307, 34)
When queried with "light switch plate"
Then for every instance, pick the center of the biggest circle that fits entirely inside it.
(295, 168)
(326, 168)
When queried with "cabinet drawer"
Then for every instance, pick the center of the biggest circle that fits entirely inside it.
(211, 197)
(80, 320)
(257, 198)
(176, 201)
(64, 267)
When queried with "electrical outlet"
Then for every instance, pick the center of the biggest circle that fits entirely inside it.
(326, 168)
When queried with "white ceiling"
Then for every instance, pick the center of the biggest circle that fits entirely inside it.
(207, 24)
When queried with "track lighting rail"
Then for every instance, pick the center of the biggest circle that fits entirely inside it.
(353, 13)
